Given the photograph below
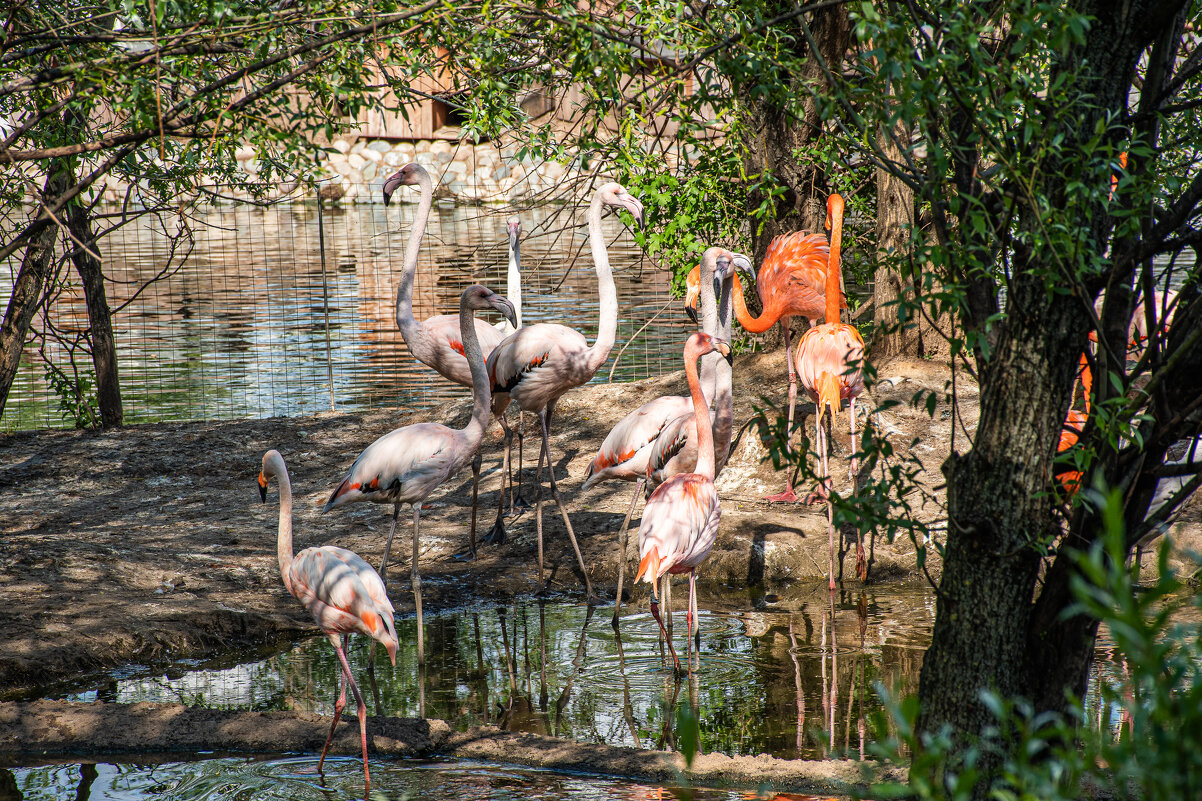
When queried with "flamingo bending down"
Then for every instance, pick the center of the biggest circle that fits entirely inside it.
(792, 281)
(625, 454)
(406, 465)
(340, 590)
(537, 364)
(828, 366)
(436, 342)
(680, 521)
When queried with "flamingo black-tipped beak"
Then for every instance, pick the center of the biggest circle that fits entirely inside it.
(262, 488)
(725, 350)
(743, 263)
(689, 310)
(503, 305)
(394, 182)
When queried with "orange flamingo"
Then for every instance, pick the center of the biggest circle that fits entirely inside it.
(828, 367)
(792, 282)
(680, 521)
(342, 592)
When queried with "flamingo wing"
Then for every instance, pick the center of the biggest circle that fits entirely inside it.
(626, 448)
(679, 525)
(343, 592)
(836, 349)
(404, 465)
(794, 270)
(443, 349)
(542, 356)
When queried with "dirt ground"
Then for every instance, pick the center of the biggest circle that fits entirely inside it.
(149, 544)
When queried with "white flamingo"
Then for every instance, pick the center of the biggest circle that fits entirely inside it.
(406, 465)
(538, 363)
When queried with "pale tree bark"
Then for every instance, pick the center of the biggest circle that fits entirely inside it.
(104, 347)
(894, 229)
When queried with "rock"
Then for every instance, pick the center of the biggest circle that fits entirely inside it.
(355, 161)
(251, 166)
(422, 147)
(341, 145)
(331, 191)
(442, 156)
(440, 146)
(380, 146)
(372, 155)
(370, 170)
(500, 173)
(358, 147)
(244, 152)
(394, 159)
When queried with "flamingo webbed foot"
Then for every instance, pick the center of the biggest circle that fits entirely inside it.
(495, 535)
(518, 505)
(788, 496)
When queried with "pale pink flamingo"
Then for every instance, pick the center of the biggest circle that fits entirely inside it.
(828, 362)
(680, 521)
(406, 465)
(537, 364)
(792, 281)
(436, 342)
(341, 591)
(625, 453)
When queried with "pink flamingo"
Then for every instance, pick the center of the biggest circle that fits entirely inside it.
(340, 590)
(537, 364)
(792, 281)
(680, 521)
(437, 342)
(828, 366)
(406, 465)
(627, 449)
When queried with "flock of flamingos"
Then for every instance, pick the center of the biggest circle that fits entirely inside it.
(671, 444)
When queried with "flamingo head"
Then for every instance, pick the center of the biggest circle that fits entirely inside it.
(743, 263)
(614, 194)
(481, 298)
(834, 208)
(701, 343)
(273, 465)
(692, 293)
(514, 227)
(409, 175)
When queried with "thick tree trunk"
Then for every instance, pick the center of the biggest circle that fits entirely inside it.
(104, 348)
(27, 290)
(894, 230)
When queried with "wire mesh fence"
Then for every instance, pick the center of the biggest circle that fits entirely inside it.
(226, 312)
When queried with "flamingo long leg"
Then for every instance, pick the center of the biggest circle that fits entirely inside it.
(563, 511)
(688, 618)
(538, 511)
(415, 577)
(496, 534)
(830, 512)
(855, 463)
(788, 495)
(360, 711)
(339, 705)
(668, 602)
(693, 608)
(660, 621)
(396, 511)
(623, 544)
(470, 554)
(517, 501)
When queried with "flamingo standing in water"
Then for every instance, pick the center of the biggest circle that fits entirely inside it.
(406, 465)
(538, 363)
(341, 591)
(625, 453)
(680, 521)
(437, 341)
(792, 281)
(828, 366)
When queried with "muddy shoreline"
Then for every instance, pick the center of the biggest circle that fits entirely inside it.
(39, 731)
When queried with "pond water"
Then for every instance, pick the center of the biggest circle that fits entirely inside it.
(235, 321)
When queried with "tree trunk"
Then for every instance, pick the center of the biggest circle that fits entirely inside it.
(28, 290)
(894, 229)
(104, 348)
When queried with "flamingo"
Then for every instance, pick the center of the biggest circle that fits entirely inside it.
(625, 453)
(407, 464)
(680, 521)
(340, 590)
(828, 367)
(537, 364)
(792, 281)
(437, 341)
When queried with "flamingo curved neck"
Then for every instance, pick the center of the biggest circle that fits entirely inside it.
(833, 265)
(284, 535)
(754, 325)
(607, 324)
(723, 391)
(709, 324)
(481, 388)
(513, 282)
(411, 330)
(705, 436)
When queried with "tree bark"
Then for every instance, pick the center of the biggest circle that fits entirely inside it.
(104, 347)
(28, 290)
(894, 231)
